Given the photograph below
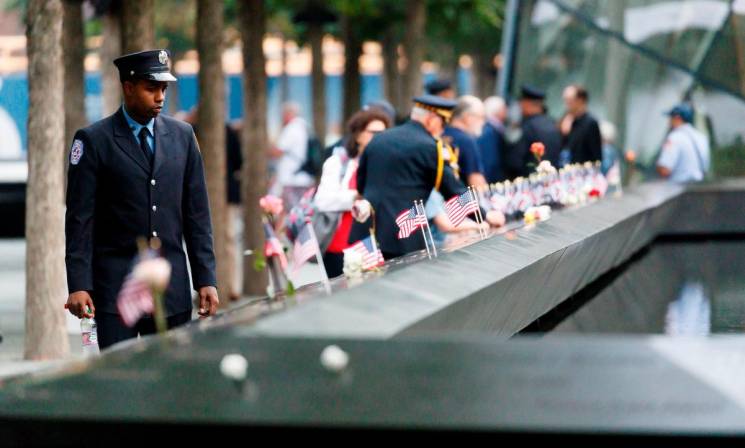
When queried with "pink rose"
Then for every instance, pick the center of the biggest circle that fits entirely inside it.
(271, 205)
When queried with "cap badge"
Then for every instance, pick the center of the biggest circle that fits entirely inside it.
(163, 57)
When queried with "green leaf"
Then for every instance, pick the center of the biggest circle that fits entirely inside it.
(259, 260)
(290, 288)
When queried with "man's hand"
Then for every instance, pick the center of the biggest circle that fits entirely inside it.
(78, 303)
(495, 218)
(208, 301)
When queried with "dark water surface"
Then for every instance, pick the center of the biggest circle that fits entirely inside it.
(674, 288)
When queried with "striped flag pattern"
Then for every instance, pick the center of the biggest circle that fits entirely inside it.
(460, 206)
(371, 257)
(306, 247)
(272, 246)
(135, 298)
(408, 221)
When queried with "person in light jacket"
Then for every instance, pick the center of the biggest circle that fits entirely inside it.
(337, 189)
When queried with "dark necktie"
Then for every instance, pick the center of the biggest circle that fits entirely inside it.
(146, 150)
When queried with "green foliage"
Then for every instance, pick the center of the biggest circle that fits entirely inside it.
(259, 260)
(15, 5)
(729, 160)
(456, 27)
(175, 25)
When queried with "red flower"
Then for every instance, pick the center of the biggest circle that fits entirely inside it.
(594, 193)
(538, 150)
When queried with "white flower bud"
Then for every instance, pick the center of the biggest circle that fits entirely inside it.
(334, 359)
(234, 367)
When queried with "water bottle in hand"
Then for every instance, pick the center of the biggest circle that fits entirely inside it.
(89, 333)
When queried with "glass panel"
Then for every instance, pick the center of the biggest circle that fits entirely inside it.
(628, 85)
(722, 115)
(681, 31)
(725, 63)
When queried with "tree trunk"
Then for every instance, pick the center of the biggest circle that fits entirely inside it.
(173, 90)
(111, 48)
(391, 75)
(284, 80)
(211, 127)
(73, 50)
(352, 79)
(138, 25)
(484, 75)
(315, 36)
(254, 138)
(416, 18)
(46, 337)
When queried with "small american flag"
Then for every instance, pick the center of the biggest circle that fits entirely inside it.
(135, 298)
(408, 221)
(372, 257)
(272, 246)
(460, 206)
(306, 247)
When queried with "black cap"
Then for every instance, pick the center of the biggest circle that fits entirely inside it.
(529, 92)
(437, 104)
(437, 86)
(150, 64)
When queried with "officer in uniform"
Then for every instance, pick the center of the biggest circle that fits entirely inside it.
(440, 87)
(402, 165)
(536, 126)
(685, 155)
(137, 174)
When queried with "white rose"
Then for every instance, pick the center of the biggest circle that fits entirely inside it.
(334, 359)
(353, 262)
(234, 367)
(545, 167)
(156, 272)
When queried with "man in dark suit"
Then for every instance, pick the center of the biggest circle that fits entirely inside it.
(536, 126)
(580, 129)
(401, 165)
(137, 174)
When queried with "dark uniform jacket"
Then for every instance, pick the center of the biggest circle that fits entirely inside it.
(584, 141)
(536, 128)
(398, 167)
(114, 196)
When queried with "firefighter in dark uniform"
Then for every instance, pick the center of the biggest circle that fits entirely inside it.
(536, 126)
(137, 174)
(401, 165)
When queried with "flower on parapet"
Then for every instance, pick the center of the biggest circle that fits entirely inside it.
(155, 272)
(538, 149)
(545, 167)
(353, 263)
(534, 214)
(271, 205)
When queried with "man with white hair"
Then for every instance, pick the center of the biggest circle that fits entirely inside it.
(401, 165)
(292, 150)
(491, 142)
(465, 126)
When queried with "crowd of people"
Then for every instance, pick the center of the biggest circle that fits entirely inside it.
(449, 143)
(136, 179)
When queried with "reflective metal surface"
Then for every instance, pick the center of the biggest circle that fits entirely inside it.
(675, 288)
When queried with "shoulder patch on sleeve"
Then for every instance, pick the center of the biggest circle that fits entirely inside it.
(76, 152)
